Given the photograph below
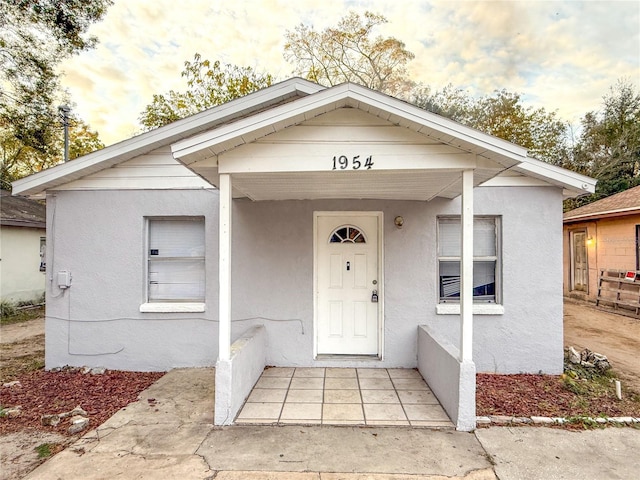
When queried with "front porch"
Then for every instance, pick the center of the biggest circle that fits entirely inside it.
(310, 182)
(343, 396)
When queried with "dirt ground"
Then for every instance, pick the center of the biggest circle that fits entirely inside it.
(611, 334)
(21, 348)
(18, 451)
(20, 331)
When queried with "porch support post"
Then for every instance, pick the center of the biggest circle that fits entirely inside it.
(224, 269)
(466, 269)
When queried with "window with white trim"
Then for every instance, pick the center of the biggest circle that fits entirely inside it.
(43, 254)
(176, 259)
(486, 259)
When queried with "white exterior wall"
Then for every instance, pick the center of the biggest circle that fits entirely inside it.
(97, 322)
(439, 364)
(99, 236)
(273, 278)
(20, 275)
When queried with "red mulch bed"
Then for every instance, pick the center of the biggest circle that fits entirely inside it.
(101, 396)
(43, 392)
(527, 395)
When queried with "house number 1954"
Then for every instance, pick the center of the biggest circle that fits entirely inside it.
(342, 162)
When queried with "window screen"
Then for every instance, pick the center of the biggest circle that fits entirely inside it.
(176, 260)
(486, 265)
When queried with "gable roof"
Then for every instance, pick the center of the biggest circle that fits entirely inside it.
(292, 102)
(619, 204)
(21, 212)
(351, 95)
(277, 94)
(403, 114)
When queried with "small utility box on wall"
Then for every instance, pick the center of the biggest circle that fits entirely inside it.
(64, 279)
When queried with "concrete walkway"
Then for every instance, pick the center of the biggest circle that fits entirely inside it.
(168, 433)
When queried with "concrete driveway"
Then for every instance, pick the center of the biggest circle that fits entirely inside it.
(168, 433)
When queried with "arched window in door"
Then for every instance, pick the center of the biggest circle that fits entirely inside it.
(347, 234)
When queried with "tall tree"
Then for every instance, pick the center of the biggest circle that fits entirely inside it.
(450, 102)
(208, 84)
(35, 36)
(350, 52)
(504, 115)
(609, 145)
(18, 160)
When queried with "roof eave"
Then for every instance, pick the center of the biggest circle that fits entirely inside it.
(22, 223)
(622, 212)
(574, 184)
(52, 177)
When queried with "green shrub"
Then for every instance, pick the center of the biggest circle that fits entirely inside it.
(11, 313)
(7, 309)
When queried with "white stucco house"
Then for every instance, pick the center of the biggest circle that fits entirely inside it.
(22, 249)
(308, 226)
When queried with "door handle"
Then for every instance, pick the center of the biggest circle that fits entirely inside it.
(374, 296)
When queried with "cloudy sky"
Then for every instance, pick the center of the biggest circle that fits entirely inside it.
(561, 55)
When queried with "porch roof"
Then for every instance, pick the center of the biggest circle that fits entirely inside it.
(432, 169)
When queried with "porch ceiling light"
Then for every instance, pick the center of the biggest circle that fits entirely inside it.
(399, 221)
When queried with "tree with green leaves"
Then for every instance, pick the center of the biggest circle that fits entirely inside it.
(350, 52)
(18, 160)
(35, 36)
(504, 115)
(609, 145)
(208, 84)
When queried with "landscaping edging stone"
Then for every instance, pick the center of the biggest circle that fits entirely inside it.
(508, 420)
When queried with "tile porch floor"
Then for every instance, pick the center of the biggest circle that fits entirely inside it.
(343, 396)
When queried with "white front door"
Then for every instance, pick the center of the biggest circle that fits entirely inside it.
(348, 283)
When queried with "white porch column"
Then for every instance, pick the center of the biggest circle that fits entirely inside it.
(466, 269)
(224, 268)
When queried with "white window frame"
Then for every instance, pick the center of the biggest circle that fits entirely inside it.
(169, 306)
(480, 307)
(43, 254)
